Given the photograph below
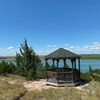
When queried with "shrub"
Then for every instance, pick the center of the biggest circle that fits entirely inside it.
(96, 78)
(3, 67)
(86, 77)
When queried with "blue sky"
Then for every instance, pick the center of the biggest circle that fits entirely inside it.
(50, 24)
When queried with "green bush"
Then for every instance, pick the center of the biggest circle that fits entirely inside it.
(96, 78)
(86, 77)
(3, 67)
(97, 71)
(11, 68)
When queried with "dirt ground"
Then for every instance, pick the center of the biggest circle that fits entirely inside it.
(41, 84)
(33, 85)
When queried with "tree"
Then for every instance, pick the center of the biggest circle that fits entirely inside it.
(66, 65)
(11, 68)
(28, 62)
(90, 69)
(3, 67)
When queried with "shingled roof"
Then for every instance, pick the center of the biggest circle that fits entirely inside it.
(62, 53)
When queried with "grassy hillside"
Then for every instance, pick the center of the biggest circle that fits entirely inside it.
(87, 93)
(17, 91)
(10, 91)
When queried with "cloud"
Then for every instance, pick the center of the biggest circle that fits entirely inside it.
(67, 48)
(45, 52)
(95, 42)
(10, 48)
(72, 47)
(54, 45)
(97, 48)
(1, 49)
(49, 46)
(11, 52)
(88, 49)
(66, 44)
(17, 49)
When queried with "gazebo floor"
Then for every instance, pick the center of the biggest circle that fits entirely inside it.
(70, 84)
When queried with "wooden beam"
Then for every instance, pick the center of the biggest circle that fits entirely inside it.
(53, 63)
(46, 69)
(79, 66)
(72, 71)
(64, 68)
(64, 62)
(57, 72)
(75, 64)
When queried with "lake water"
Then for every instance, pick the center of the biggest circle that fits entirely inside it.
(84, 64)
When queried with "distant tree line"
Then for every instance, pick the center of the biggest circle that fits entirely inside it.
(7, 57)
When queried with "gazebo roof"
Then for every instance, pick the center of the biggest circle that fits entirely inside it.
(62, 53)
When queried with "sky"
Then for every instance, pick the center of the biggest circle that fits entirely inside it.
(48, 25)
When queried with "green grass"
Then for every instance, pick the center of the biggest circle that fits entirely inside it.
(10, 77)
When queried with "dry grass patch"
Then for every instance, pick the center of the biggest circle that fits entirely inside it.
(93, 91)
(93, 87)
(13, 78)
(52, 94)
(66, 93)
(9, 91)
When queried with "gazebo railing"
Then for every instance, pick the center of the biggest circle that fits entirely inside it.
(76, 75)
(64, 74)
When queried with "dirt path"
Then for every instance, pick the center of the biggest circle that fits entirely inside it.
(41, 84)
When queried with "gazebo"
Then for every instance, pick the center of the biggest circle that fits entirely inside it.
(63, 76)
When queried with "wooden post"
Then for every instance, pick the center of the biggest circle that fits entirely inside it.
(64, 63)
(79, 66)
(46, 69)
(64, 68)
(72, 72)
(53, 63)
(75, 64)
(57, 72)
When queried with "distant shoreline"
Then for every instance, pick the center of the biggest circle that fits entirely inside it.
(7, 59)
(44, 59)
(83, 57)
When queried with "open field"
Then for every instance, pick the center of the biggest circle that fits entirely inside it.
(11, 87)
(90, 58)
(83, 57)
(7, 58)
